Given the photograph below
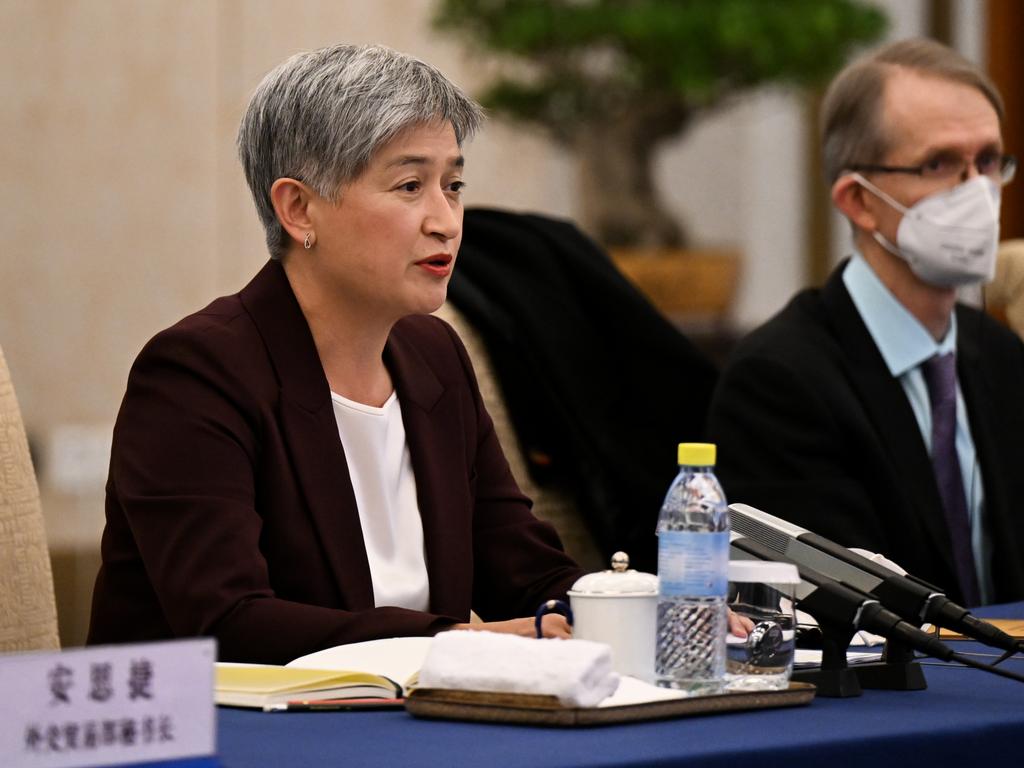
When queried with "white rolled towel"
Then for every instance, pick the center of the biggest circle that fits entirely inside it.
(578, 672)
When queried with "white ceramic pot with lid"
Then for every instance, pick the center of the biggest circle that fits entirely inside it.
(619, 607)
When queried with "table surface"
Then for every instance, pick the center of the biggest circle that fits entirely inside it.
(964, 715)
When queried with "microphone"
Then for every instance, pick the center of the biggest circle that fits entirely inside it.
(911, 598)
(831, 602)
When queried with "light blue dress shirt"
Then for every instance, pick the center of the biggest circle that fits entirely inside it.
(905, 344)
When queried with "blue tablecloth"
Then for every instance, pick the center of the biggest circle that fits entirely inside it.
(965, 716)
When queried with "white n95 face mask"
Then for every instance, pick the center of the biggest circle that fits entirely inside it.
(949, 238)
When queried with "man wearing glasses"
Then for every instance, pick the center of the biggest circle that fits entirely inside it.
(878, 411)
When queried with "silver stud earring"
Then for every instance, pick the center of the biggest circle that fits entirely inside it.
(308, 242)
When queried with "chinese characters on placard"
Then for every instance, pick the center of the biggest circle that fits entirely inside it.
(102, 686)
(91, 734)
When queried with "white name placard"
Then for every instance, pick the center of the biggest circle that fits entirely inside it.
(108, 705)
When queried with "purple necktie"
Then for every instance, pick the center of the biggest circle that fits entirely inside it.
(940, 377)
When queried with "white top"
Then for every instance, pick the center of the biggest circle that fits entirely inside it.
(385, 490)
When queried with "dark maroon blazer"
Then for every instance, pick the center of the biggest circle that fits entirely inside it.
(230, 510)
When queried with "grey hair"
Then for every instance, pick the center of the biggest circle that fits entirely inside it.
(320, 116)
(851, 115)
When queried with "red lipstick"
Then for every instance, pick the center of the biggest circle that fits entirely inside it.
(440, 264)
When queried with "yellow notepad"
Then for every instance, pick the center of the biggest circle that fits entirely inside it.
(272, 687)
(1012, 627)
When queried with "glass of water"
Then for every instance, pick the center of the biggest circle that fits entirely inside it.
(761, 595)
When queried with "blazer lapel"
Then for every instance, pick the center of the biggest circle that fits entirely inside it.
(889, 412)
(984, 421)
(311, 431)
(434, 433)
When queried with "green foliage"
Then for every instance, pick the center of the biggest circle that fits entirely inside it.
(570, 61)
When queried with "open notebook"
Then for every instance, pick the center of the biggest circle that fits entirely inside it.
(372, 674)
(397, 658)
(280, 688)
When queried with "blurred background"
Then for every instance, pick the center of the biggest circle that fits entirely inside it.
(124, 207)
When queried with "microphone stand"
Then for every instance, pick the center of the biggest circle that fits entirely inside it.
(839, 611)
(912, 598)
(834, 678)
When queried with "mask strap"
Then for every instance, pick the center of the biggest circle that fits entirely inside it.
(884, 242)
(879, 193)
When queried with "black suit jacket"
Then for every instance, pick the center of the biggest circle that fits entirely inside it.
(813, 428)
(230, 510)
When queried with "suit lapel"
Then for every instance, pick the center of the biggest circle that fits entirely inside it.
(985, 427)
(311, 431)
(437, 445)
(886, 406)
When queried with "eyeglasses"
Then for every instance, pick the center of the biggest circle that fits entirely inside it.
(999, 168)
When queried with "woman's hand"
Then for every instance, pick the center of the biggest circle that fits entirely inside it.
(739, 625)
(552, 625)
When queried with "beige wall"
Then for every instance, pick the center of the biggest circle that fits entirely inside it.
(123, 204)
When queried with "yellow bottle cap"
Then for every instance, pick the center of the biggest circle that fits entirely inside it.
(697, 454)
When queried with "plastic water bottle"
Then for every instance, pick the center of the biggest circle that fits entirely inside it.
(693, 573)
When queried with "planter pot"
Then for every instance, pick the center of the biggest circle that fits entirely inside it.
(685, 284)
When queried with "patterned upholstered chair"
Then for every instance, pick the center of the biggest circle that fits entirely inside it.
(553, 505)
(28, 613)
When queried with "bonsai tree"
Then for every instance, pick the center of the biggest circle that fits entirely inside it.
(614, 79)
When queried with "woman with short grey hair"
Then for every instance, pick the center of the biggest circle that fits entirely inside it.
(320, 117)
(308, 462)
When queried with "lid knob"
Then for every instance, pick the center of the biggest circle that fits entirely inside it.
(619, 580)
(620, 562)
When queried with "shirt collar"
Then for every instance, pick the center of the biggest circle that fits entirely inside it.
(900, 337)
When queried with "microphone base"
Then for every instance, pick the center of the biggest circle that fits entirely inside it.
(891, 676)
(831, 683)
(897, 671)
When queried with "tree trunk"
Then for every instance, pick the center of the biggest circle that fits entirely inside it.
(620, 205)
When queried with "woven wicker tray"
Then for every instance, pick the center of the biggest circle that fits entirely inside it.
(526, 709)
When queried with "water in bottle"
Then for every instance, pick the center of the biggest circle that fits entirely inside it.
(693, 562)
